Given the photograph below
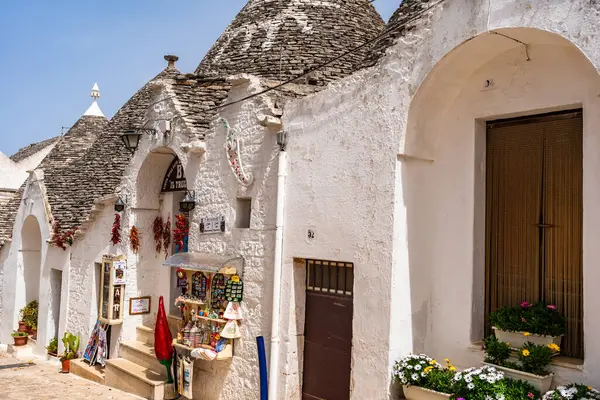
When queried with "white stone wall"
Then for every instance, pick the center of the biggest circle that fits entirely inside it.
(410, 226)
(14, 174)
(217, 191)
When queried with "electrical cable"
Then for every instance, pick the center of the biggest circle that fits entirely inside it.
(388, 31)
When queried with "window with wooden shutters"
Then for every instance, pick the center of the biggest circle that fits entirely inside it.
(534, 217)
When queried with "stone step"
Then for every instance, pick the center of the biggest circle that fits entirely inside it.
(133, 378)
(22, 352)
(145, 334)
(93, 373)
(141, 353)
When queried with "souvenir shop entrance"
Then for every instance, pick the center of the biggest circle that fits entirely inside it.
(328, 330)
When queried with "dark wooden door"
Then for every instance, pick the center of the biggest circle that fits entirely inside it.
(327, 342)
(535, 217)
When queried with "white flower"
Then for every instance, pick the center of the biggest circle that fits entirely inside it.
(468, 379)
(471, 386)
(417, 367)
(414, 377)
(422, 374)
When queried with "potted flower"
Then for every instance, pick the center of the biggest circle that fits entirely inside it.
(490, 383)
(532, 365)
(20, 338)
(52, 347)
(573, 391)
(423, 378)
(539, 323)
(34, 330)
(71, 343)
(30, 316)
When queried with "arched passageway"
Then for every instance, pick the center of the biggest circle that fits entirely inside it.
(31, 256)
(448, 190)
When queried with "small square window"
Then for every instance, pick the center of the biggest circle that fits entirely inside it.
(243, 212)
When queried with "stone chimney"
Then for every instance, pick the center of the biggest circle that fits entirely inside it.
(171, 59)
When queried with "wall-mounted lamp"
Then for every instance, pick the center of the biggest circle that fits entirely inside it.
(281, 140)
(131, 137)
(189, 201)
(120, 204)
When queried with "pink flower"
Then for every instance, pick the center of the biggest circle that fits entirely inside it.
(551, 306)
(525, 305)
(523, 319)
(530, 395)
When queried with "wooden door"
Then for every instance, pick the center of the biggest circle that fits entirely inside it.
(534, 217)
(328, 331)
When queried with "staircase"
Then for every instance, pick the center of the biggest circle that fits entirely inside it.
(137, 371)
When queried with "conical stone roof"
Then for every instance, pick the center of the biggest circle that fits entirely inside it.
(280, 39)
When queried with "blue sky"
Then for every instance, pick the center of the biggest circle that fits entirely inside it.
(54, 51)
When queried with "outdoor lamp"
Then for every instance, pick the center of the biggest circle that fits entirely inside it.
(189, 202)
(281, 139)
(131, 137)
(119, 204)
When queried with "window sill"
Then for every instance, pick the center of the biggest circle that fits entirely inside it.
(558, 361)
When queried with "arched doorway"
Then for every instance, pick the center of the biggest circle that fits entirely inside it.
(489, 79)
(31, 256)
(160, 186)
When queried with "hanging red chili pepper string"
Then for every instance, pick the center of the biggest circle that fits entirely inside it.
(115, 237)
(167, 236)
(181, 230)
(157, 229)
(134, 239)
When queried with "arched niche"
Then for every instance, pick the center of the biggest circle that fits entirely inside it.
(31, 252)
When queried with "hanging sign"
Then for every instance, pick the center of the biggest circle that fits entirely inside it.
(174, 180)
(119, 273)
(212, 224)
(139, 305)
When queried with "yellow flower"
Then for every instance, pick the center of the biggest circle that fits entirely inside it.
(508, 344)
(526, 334)
(525, 353)
(427, 369)
(432, 362)
(447, 360)
(554, 347)
(452, 368)
(590, 388)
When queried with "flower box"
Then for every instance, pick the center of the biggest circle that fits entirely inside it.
(419, 393)
(541, 383)
(518, 339)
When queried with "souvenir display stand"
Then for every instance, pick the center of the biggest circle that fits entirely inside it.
(112, 286)
(210, 309)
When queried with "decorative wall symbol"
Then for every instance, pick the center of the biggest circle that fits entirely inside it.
(232, 150)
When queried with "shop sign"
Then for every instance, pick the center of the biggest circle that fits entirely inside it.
(212, 224)
(174, 180)
(140, 305)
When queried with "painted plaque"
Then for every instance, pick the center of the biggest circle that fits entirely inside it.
(212, 224)
(120, 269)
(140, 305)
(174, 180)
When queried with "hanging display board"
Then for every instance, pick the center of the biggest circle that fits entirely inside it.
(174, 180)
(95, 351)
(114, 275)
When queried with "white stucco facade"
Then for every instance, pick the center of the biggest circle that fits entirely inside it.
(404, 145)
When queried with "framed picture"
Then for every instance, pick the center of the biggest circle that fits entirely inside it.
(140, 305)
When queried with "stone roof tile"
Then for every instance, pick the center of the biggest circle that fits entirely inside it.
(280, 39)
(31, 149)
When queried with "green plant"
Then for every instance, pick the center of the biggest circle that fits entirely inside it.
(413, 369)
(71, 343)
(573, 391)
(18, 334)
(539, 319)
(29, 313)
(496, 352)
(535, 358)
(53, 346)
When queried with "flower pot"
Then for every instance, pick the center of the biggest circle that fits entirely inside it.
(419, 393)
(28, 328)
(66, 366)
(541, 383)
(20, 340)
(22, 327)
(518, 339)
(34, 334)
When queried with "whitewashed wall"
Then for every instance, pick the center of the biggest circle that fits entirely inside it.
(14, 174)
(409, 226)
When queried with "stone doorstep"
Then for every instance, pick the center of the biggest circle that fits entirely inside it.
(93, 373)
(145, 334)
(133, 378)
(21, 352)
(141, 353)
